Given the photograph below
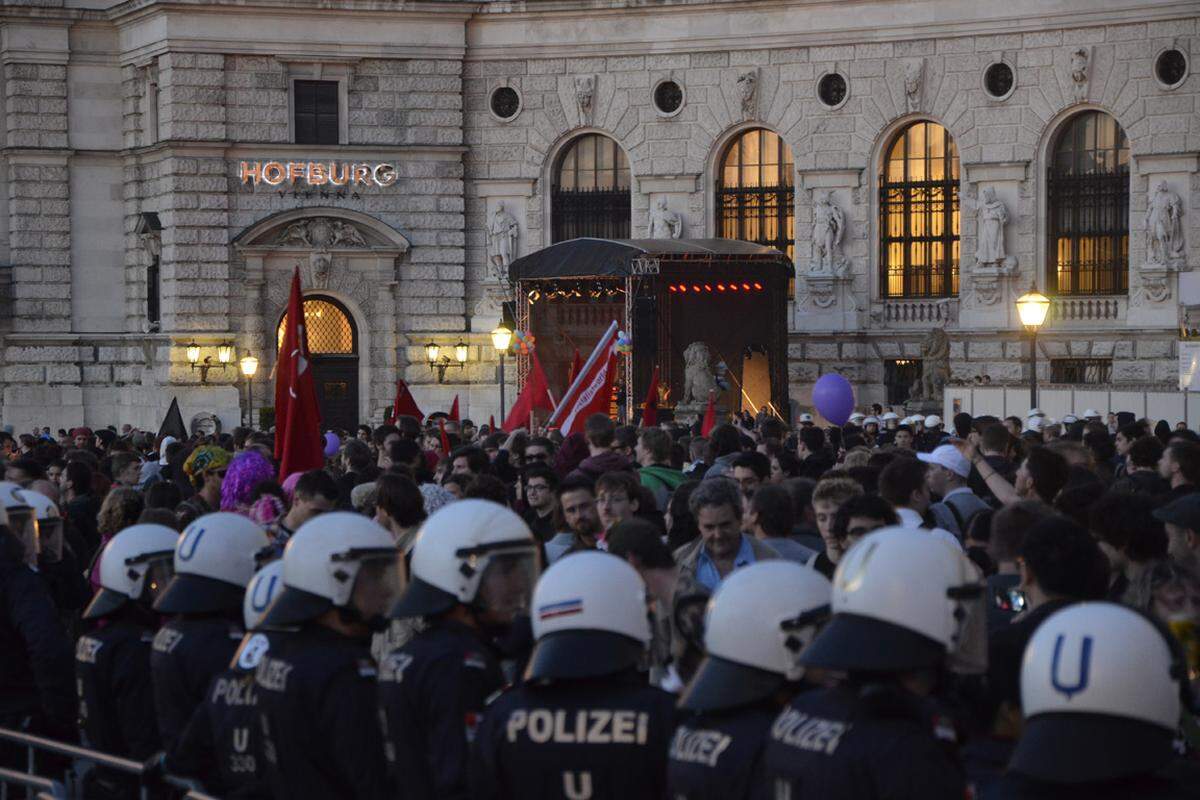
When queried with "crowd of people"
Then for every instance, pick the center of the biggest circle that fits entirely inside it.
(891, 608)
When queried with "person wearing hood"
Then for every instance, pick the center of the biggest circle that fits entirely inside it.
(654, 454)
(153, 470)
(600, 432)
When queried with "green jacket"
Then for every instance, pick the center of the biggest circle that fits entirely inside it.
(661, 481)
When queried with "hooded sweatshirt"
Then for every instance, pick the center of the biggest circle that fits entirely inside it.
(662, 481)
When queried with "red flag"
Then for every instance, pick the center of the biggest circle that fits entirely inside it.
(536, 394)
(650, 407)
(445, 438)
(298, 444)
(710, 416)
(404, 405)
(591, 391)
(492, 423)
(576, 365)
(454, 410)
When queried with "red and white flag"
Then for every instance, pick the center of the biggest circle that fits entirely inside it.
(591, 391)
(299, 446)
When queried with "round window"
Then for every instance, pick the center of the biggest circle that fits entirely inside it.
(832, 90)
(1170, 68)
(998, 80)
(506, 103)
(668, 97)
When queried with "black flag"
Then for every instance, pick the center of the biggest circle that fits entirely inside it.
(173, 423)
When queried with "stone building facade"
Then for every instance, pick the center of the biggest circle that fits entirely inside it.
(127, 232)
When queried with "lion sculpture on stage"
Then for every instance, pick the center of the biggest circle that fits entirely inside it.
(698, 379)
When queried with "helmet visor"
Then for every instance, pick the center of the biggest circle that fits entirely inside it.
(377, 586)
(24, 525)
(159, 572)
(506, 586)
(50, 537)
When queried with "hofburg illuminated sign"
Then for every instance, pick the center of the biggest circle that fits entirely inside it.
(317, 173)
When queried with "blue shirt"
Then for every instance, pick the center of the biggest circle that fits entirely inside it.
(706, 570)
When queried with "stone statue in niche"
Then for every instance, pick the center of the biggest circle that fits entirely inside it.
(1164, 224)
(914, 72)
(935, 366)
(698, 379)
(993, 217)
(502, 233)
(664, 223)
(585, 89)
(1079, 72)
(747, 90)
(829, 228)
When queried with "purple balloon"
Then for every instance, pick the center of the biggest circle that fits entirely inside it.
(332, 444)
(833, 397)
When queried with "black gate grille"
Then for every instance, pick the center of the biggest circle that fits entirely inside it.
(602, 213)
(1091, 371)
(1089, 233)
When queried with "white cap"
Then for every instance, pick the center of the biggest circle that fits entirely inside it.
(1069, 419)
(932, 421)
(1091, 413)
(870, 421)
(857, 415)
(1035, 412)
(948, 456)
(1035, 424)
(889, 415)
(806, 418)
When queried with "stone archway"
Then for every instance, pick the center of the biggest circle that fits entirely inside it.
(345, 255)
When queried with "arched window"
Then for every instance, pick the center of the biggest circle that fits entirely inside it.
(590, 196)
(755, 191)
(1088, 207)
(330, 330)
(918, 214)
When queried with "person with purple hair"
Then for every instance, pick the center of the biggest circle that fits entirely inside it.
(247, 469)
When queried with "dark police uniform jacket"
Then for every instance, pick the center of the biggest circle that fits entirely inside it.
(317, 708)
(222, 743)
(575, 740)
(1165, 785)
(188, 652)
(849, 743)
(432, 694)
(116, 700)
(719, 755)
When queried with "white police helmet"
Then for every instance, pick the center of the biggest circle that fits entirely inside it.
(871, 421)
(135, 564)
(452, 554)
(888, 416)
(806, 418)
(933, 421)
(757, 623)
(589, 618)
(20, 517)
(321, 563)
(214, 560)
(1101, 689)
(901, 600)
(45, 511)
(261, 590)
(1091, 413)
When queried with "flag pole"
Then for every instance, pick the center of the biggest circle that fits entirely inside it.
(578, 381)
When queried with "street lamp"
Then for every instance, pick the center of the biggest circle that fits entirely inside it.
(1031, 308)
(500, 340)
(249, 366)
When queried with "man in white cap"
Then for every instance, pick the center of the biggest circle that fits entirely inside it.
(933, 433)
(1091, 415)
(1035, 412)
(1069, 419)
(856, 419)
(947, 479)
(870, 429)
(806, 419)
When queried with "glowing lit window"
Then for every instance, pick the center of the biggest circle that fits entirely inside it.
(755, 191)
(330, 331)
(918, 214)
(1088, 207)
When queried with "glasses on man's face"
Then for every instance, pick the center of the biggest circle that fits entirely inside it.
(535, 456)
(537, 487)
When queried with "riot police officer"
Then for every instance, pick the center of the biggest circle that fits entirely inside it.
(903, 605)
(585, 723)
(316, 685)
(1101, 691)
(757, 624)
(214, 560)
(112, 663)
(222, 743)
(474, 565)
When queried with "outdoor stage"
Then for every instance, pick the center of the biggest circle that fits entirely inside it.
(668, 294)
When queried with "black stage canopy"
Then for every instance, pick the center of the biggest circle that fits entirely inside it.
(591, 258)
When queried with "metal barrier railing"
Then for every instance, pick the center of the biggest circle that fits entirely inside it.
(47, 789)
(70, 787)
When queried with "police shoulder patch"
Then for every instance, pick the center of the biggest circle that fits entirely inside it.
(474, 660)
(366, 668)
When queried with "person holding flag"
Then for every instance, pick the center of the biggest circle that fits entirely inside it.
(298, 443)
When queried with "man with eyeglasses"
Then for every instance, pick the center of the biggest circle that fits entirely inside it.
(540, 483)
(539, 450)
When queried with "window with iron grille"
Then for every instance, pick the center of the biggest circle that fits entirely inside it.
(153, 306)
(755, 191)
(1092, 371)
(1088, 208)
(918, 214)
(590, 196)
(899, 375)
(329, 328)
(315, 105)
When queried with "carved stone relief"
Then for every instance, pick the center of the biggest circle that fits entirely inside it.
(1165, 245)
(829, 229)
(585, 91)
(664, 223)
(747, 92)
(1080, 69)
(914, 79)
